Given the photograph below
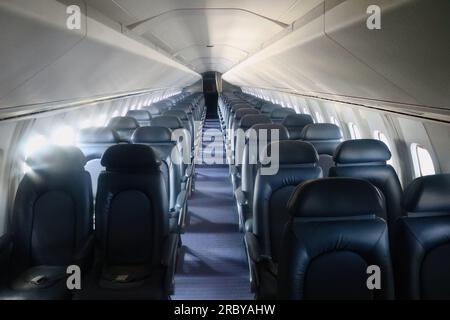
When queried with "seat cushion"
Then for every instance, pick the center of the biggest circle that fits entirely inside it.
(38, 283)
(148, 285)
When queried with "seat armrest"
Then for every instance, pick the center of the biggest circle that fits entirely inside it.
(181, 208)
(253, 249)
(181, 200)
(189, 171)
(240, 196)
(170, 249)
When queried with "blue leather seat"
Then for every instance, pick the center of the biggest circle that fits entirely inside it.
(295, 123)
(124, 126)
(93, 142)
(160, 139)
(135, 252)
(236, 155)
(143, 117)
(297, 162)
(279, 114)
(422, 240)
(51, 227)
(334, 234)
(325, 137)
(367, 159)
(251, 159)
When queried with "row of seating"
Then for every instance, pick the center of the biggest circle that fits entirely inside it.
(125, 242)
(309, 237)
(239, 122)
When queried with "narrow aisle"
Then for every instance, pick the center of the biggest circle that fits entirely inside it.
(215, 265)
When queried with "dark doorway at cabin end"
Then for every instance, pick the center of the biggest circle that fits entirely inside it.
(212, 83)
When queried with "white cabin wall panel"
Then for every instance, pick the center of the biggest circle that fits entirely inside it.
(7, 132)
(440, 139)
(400, 130)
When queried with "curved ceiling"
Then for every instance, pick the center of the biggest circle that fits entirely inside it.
(207, 35)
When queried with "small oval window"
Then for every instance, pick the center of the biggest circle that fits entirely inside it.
(382, 137)
(319, 118)
(422, 161)
(354, 131)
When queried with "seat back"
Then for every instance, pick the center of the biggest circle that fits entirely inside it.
(188, 122)
(331, 241)
(52, 216)
(268, 107)
(298, 161)
(124, 126)
(422, 240)
(93, 142)
(295, 123)
(247, 121)
(236, 123)
(279, 114)
(253, 149)
(184, 137)
(239, 114)
(131, 207)
(160, 139)
(366, 159)
(143, 117)
(234, 108)
(325, 137)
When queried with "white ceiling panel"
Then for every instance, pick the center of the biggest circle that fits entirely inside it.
(185, 28)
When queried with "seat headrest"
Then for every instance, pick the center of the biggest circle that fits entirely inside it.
(428, 194)
(235, 108)
(362, 151)
(55, 158)
(151, 134)
(185, 104)
(321, 131)
(125, 157)
(162, 103)
(249, 120)
(294, 152)
(269, 107)
(184, 109)
(240, 104)
(140, 115)
(281, 113)
(157, 108)
(170, 122)
(243, 112)
(123, 123)
(283, 133)
(180, 114)
(97, 135)
(336, 197)
(297, 120)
